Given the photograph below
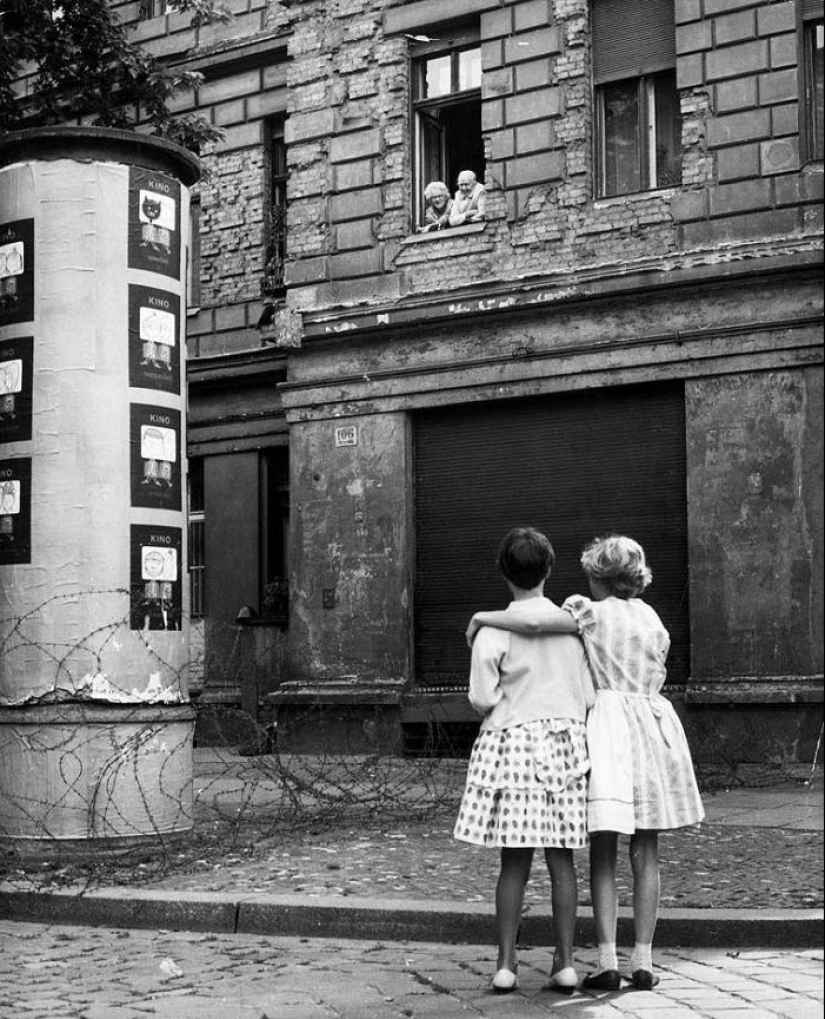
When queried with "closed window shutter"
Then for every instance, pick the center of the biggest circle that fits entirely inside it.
(812, 8)
(575, 465)
(632, 38)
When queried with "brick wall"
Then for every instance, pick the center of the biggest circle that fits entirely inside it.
(351, 190)
(245, 82)
(743, 57)
(347, 91)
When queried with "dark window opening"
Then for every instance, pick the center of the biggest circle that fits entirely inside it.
(814, 36)
(194, 263)
(274, 285)
(197, 536)
(274, 539)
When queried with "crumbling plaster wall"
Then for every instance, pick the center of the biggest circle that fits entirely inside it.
(351, 152)
(350, 596)
(756, 522)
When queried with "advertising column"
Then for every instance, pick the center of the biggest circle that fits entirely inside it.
(95, 721)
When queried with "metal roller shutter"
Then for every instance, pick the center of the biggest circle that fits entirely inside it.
(574, 466)
(632, 38)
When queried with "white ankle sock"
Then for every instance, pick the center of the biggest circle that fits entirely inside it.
(607, 956)
(642, 958)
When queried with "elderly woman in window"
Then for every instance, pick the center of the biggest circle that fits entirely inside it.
(469, 201)
(437, 207)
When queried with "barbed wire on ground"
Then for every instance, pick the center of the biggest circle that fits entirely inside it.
(252, 790)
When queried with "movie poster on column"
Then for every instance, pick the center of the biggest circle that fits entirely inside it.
(15, 511)
(154, 332)
(154, 222)
(16, 373)
(156, 572)
(155, 457)
(17, 272)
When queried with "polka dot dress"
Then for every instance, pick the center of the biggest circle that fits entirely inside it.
(527, 786)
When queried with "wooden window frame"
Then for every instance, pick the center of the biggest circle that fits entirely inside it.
(646, 140)
(811, 20)
(427, 110)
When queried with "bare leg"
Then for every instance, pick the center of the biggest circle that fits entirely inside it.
(644, 862)
(512, 879)
(565, 903)
(603, 848)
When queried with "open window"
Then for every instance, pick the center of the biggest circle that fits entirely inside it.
(638, 117)
(446, 81)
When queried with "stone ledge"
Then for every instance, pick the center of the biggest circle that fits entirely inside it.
(750, 690)
(344, 690)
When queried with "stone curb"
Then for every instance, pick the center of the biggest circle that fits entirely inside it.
(392, 919)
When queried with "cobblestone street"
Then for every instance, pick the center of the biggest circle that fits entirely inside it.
(52, 972)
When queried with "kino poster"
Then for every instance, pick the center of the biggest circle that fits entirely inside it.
(16, 357)
(155, 457)
(156, 571)
(15, 511)
(154, 330)
(154, 222)
(17, 271)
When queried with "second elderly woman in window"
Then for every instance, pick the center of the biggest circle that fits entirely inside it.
(438, 205)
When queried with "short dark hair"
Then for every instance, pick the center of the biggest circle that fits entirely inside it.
(525, 557)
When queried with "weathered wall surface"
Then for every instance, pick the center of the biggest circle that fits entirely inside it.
(553, 296)
(576, 337)
(744, 177)
(351, 539)
(756, 524)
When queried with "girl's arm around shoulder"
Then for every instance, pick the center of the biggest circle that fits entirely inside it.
(531, 616)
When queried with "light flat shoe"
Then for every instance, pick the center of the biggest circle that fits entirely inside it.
(564, 981)
(504, 981)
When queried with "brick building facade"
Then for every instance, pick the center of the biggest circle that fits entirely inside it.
(629, 340)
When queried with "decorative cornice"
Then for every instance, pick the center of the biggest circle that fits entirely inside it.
(559, 289)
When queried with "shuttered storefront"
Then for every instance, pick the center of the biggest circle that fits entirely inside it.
(574, 466)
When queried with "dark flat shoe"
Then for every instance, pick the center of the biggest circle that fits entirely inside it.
(643, 979)
(607, 980)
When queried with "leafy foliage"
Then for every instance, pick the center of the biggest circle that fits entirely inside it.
(84, 66)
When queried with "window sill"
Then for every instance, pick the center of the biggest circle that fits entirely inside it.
(440, 235)
(636, 196)
(253, 622)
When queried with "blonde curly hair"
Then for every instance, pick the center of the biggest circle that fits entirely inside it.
(619, 563)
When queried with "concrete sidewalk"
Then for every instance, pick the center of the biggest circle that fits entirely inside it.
(408, 880)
